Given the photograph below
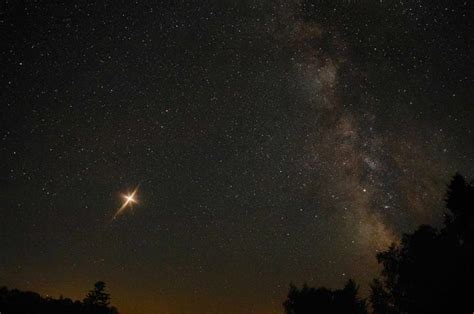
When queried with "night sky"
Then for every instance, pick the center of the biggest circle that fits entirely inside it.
(271, 142)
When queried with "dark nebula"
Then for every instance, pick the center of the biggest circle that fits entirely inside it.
(273, 142)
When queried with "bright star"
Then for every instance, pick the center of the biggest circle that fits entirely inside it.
(129, 201)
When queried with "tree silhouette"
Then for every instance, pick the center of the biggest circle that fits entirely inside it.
(309, 300)
(380, 299)
(98, 296)
(347, 301)
(25, 302)
(431, 270)
(98, 300)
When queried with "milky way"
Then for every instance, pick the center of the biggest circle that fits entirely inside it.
(274, 142)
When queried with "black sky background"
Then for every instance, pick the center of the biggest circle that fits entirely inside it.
(273, 142)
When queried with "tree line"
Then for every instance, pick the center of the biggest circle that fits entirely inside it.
(97, 301)
(429, 271)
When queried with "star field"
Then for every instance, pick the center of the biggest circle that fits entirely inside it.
(272, 142)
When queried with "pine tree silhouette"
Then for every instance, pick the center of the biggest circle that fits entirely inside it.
(98, 296)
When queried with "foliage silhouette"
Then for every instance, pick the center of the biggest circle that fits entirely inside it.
(431, 271)
(322, 300)
(98, 296)
(26, 302)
